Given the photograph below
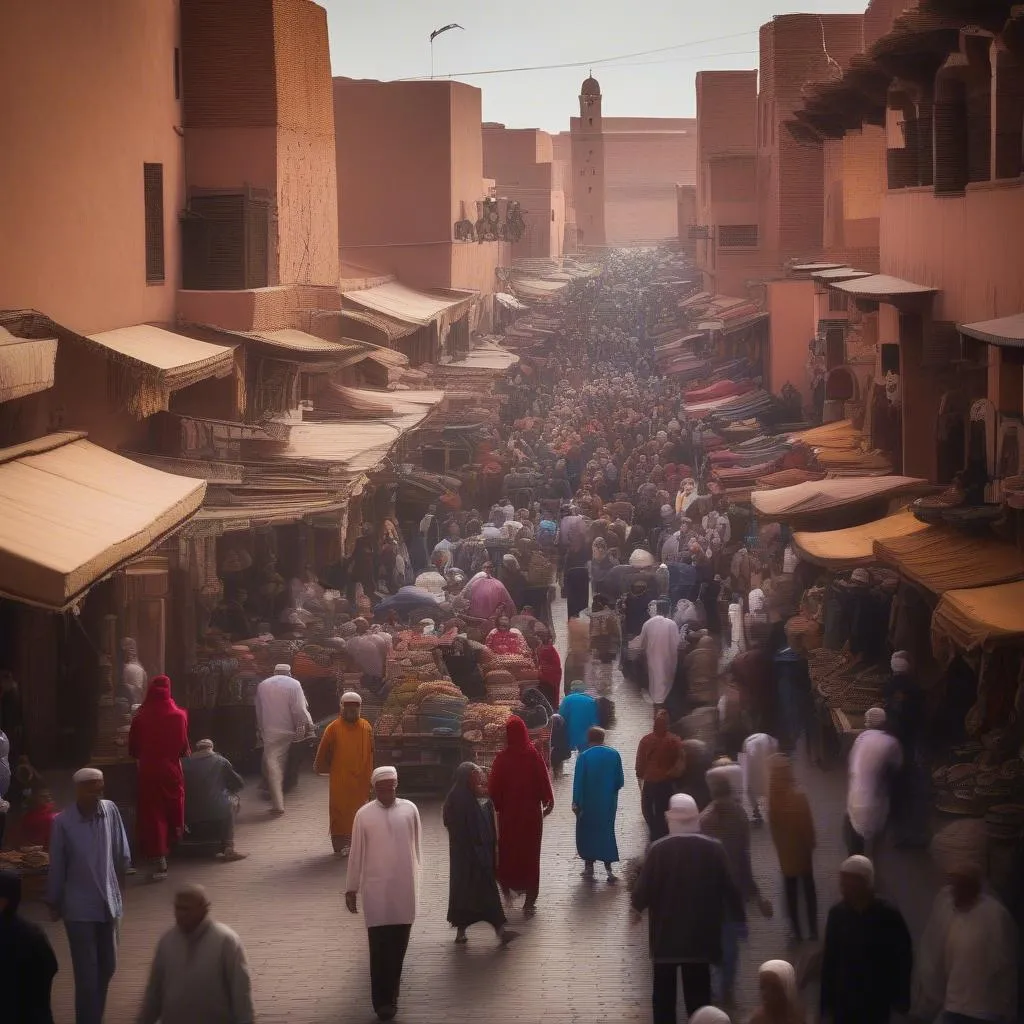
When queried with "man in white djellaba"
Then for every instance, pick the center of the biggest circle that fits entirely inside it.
(384, 863)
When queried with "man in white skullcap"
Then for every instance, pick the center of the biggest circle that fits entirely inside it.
(385, 864)
(89, 858)
(345, 755)
(199, 971)
(283, 718)
(875, 760)
(688, 891)
(868, 955)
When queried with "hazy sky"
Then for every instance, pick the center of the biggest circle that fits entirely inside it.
(388, 39)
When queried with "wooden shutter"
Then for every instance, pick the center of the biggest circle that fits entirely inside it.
(153, 198)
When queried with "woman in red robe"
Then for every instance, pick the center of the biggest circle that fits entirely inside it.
(158, 740)
(520, 789)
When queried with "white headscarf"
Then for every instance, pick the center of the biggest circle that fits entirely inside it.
(755, 601)
(710, 1015)
(783, 970)
(682, 815)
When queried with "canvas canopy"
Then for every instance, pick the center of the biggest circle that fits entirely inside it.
(819, 496)
(940, 558)
(26, 365)
(72, 512)
(980, 618)
(155, 362)
(847, 549)
(397, 300)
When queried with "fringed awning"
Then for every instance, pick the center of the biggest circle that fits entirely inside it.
(148, 363)
(26, 365)
(71, 513)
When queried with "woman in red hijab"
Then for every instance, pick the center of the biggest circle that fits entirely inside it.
(520, 789)
(158, 740)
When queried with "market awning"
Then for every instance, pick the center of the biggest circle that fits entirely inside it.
(883, 288)
(813, 268)
(156, 361)
(819, 496)
(26, 365)
(72, 512)
(980, 618)
(508, 301)
(365, 403)
(840, 274)
(853, 547)
(420, 309)
(940, 558)
(488, 355)
(1006, 332)
(292, 344)
(349, 448)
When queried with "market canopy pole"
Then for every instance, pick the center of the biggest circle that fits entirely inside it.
(439, 32)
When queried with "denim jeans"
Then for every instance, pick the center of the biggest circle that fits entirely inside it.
(732, 933)
(93, 947)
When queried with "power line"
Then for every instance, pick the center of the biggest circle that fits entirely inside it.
(590, 63)
(690, 59)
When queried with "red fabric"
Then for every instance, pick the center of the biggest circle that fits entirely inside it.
(519, 785)
(158, 740)
(37, 824)
(549, 672)
(507, 642)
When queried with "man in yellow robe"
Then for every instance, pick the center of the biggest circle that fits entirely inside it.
(346, 755)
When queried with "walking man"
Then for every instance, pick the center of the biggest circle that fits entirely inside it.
(595, 800)
(660, 761)
(346, 755)
(385, 864)
(687, 889)
(89, 859)
(868, 956)
(199, 972)
(282, 717)
(875, 760)
(659, 640)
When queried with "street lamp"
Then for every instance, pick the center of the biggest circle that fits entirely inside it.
(439, 32)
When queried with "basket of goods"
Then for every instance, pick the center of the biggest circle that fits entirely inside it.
(312, 663)
(499, 677)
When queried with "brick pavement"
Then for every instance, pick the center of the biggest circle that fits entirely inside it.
(577, 961)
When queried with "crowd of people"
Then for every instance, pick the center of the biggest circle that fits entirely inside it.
(607, 479)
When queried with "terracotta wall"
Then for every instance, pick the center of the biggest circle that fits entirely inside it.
(393, 158)
(467, 152)
(791, 304)
(791, 174)
(855, 178)
(726, 113)
(307, 187)
(967, 247)
(88, 99)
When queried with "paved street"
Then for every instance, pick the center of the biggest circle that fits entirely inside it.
(577, 961)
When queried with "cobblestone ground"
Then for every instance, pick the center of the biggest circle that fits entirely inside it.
(579, 961)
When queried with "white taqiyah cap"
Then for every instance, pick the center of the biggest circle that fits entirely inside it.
(282, 670)
(351, 697)
(386, 773)
(860, 866)
(87, 775)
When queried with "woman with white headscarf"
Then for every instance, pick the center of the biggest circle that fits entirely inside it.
(780, 999)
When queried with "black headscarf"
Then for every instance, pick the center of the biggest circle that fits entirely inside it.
(466, 821)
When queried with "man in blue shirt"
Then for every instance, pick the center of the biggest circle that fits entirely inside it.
(89, 858)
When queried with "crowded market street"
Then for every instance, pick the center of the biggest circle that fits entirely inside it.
(578, 960)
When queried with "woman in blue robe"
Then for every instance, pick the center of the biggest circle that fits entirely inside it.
(595, 801)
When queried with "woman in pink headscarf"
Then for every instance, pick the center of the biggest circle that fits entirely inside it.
(158, 740)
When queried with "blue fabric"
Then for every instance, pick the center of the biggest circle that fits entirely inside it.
(595, 792)
(86, 857)
(93, 948)
(580, 713)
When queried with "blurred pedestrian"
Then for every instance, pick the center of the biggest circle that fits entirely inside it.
(780, 999)
(660, 762)
(687, 889)
(282, 718)
(27, 963)
(868, 956)
(199, 970)
(875, 761)
(793, 835)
